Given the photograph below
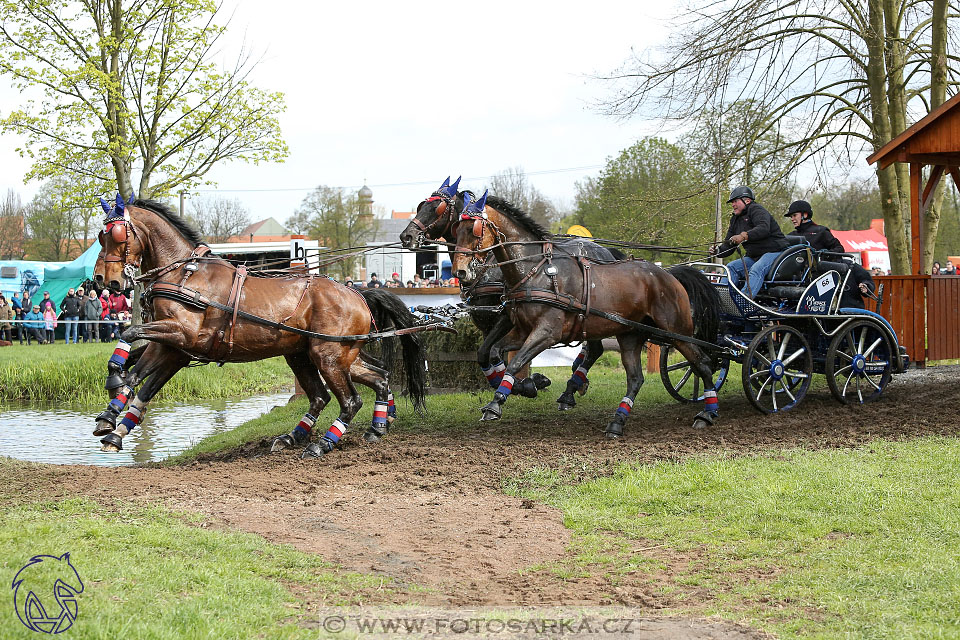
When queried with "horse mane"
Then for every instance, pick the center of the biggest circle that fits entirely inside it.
(165, 212)
(519, 216)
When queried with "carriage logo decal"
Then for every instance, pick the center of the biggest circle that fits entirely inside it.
(45, 593)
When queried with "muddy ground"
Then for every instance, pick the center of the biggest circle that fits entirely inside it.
(427, 510)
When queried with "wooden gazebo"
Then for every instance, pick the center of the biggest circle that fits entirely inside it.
(925, 311)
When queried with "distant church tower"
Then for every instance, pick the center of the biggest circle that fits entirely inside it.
(365, 200)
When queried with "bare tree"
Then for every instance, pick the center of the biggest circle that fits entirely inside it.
(829, 78)
(512, 185)
(333, 216)
(52, 221)
(218, 219)
(12, 227)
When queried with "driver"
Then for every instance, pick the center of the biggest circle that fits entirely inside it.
(754, 228)
(819, 236)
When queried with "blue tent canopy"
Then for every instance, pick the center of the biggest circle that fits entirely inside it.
(55, 277)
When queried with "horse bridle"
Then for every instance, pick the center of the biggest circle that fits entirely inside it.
(120, 228)
(445, 213)
(480, 222)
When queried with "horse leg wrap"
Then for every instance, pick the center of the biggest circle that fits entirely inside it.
(506, 387)
(391, 408)
(494, 374)
(120, 400)
(625, 406)
(710, 402)
(133, 417)
(115, 366)
(579, 380)
(335, 432)
(301, 432)
(379, 424)
(579, 359)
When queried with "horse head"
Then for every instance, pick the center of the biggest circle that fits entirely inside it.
(474, 234)
(434, 215)
(120, 246)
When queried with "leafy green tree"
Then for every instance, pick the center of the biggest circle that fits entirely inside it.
(130, 83)
(830, 78)
(332, 216)
(650, 194)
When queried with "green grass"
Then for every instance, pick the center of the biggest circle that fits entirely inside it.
(151, 573)
(75, 374)
(857, 543)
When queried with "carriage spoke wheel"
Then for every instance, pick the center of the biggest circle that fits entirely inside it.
(679, 379)
(777, 369)
(859, 363)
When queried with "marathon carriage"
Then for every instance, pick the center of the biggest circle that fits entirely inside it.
(794, 328)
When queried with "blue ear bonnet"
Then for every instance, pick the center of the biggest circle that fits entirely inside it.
(114, 211)
(475, 208)
(448, 190)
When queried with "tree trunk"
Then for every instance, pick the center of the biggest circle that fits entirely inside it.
(938, 95)
(880, 113)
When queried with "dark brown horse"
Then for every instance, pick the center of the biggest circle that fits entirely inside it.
(434, 219)
(555, 296)
(201, 308)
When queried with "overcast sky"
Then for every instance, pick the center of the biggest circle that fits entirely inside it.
(395, 93)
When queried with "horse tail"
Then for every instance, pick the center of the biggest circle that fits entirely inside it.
(389, 311)
(704, 301)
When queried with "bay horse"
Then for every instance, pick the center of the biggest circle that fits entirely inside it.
(556, 296)
(198, 307)
(434, 220)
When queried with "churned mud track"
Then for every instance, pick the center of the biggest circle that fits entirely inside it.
(426, 508)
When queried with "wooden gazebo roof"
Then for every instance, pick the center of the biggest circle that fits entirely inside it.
(935, 141)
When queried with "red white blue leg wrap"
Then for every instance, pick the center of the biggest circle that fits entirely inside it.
(336, 431)
(380, 412)
(305, 426)
(711, 405)
(132, 419)
(579, 359)
(120, 400)
(120, 354)
(625, 406)
(506, 385)
(391, 407)
(579, 377)
(494, 374)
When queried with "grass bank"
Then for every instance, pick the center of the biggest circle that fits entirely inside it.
(845, 543)
(152, 573)
(75, 373)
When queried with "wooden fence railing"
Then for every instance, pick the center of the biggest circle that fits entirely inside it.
(943, 318)
(925, 313)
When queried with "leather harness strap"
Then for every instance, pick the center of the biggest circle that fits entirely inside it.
(233, 305)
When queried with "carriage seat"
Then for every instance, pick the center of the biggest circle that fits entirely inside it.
(792, 265)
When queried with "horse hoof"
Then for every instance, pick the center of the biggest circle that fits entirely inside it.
(103, 428)
(317, 449)
(491, 412)
(614, 430)
(391, 419)
(583, 388)
(704, 419)
(700, 423)
(281, 442)
(111, 443)
(541, 381)
(566, 402)
(526, 388)
(371, 436)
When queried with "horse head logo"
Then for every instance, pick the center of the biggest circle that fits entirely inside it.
(45, 593)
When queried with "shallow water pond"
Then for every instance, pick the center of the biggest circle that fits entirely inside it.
(63, 435)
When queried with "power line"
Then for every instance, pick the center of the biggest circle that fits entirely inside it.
(397, 184)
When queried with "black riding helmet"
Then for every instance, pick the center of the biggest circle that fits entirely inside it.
(740, 192)
(801, 207)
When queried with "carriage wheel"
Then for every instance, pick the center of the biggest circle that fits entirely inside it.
(679, 380)
(777, 369)
(859, 363)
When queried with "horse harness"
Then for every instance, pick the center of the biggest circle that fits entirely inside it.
(523, 293)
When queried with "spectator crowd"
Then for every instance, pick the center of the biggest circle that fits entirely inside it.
(86, 316)
(394, 282)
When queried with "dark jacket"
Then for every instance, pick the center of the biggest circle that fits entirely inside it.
(70, 307)
(818, 236)
(851, 296)
(763, 233)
